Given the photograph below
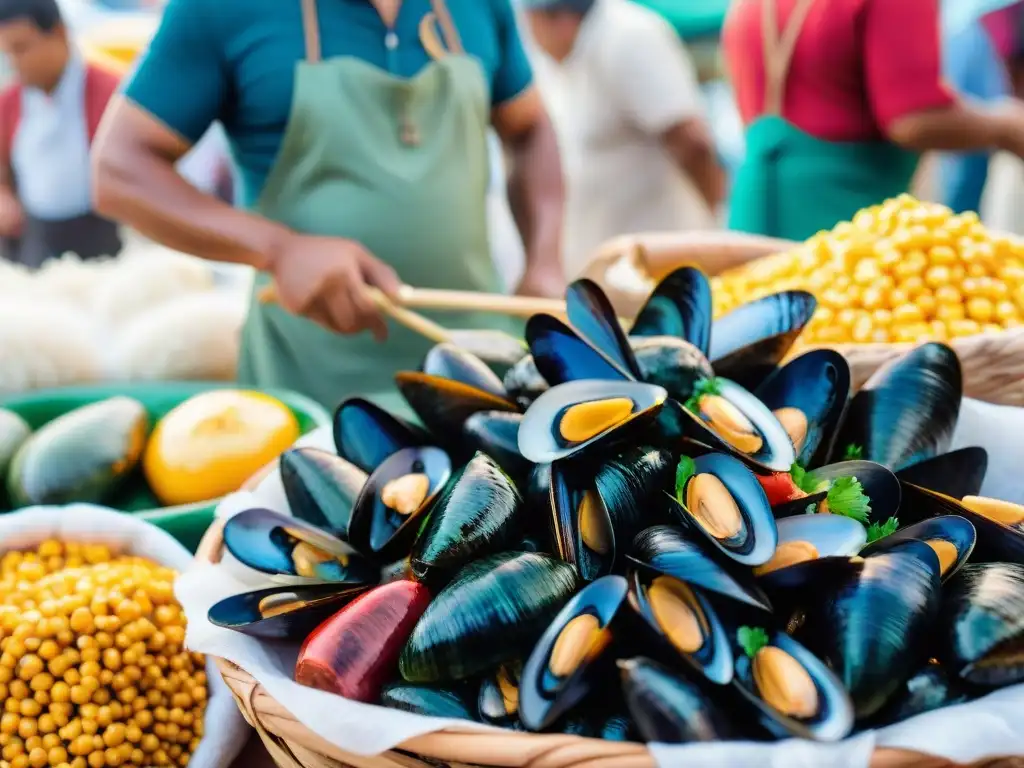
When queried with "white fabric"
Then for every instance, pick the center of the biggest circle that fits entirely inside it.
(1002, 203)
(626, 82)
(50, 155)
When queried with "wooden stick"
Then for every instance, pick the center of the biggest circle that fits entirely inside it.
(414, 321)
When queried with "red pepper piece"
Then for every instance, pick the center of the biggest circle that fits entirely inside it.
(780, 488)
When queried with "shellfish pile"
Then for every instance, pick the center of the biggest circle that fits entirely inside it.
(662, 535)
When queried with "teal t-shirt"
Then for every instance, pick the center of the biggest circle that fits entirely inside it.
(234, 61)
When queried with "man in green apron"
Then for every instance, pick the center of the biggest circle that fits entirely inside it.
(360, 132)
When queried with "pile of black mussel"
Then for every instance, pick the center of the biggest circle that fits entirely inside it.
(662, 535)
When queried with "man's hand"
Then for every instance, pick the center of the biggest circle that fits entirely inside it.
(541, 280)
(325, 279)
(11, 215)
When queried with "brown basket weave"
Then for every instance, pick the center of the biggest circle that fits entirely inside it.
(292, 745)
(993, 364)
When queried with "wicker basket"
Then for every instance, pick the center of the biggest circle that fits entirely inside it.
(993, 364)
(292, 745)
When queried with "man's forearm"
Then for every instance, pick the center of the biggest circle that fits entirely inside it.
(693, 149)
(963, 126)
(536, 193)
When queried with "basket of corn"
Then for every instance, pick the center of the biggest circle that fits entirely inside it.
(898, 274)
(93, 666)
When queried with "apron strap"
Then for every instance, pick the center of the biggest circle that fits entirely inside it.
(778, 50)
(451, 34)
(311, 31)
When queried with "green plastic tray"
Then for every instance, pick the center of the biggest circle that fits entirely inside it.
(187, 522)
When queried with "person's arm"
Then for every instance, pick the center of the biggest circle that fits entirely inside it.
(11, 214)
(535, 187)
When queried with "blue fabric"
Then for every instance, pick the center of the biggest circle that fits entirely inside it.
(234, 61)
(974, 68)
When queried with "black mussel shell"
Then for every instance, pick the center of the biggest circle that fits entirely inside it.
(999, 525)
(957, 473)
(950, 536)
(809, 396)
(279, 545)
(426, 700)
(443, 405)
(907, 410)
(668, 550)
(748, 343)
(811, 538)
(365, 434)
(384, 533)
(683, 623)
(879, 484)
(559, 671)
(498, 701)
(668, 708)
(982, 622)
(721, 500)
(448, 361)
(933, 687)
(523, 381)
(592, 315)
(618, 728)
(873, 629)
(560, 355)
(581, 416)
(634, 488)
(400, 570)
(477, 514)
(321, 488)
(283, 612)
(786, 707)
(672, 363)
(580, 527)
(680, 306)
(493, 611)
(496, 433)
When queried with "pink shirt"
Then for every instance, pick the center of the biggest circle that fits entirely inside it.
(858, 65)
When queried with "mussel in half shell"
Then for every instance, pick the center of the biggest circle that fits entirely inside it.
(749, 342)
(448, 361)
(809, 396)
(577, 416)
(477, 514)
(493, 611)
(983, 624)
(951, 537)
(907, 410)
(498, 701)
(591, 314)
(720, 499)
(810, 538)
(321, 488)
(443, 405)
(426, 700)
(496, 433)
(679, 306)
(559, 672)
(999, 525)
(668, 708)
(385, 518)
(957, 473)
(283, 612)
(365, 434)
(354, 652)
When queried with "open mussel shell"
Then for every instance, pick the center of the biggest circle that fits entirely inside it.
(321, 488)
(748, 343)
(448, 361)
(592, 315)
(559, 671)
(982, 622)
(672, 363)
(385, 519)
(477, 514)
(279, 545)
(679, 306)
(496, 433)
(951, 537)
(668, 708)
(283, 612)
(793, 692)
(560, 355)
(999, 525)
(572, 418)
(684, 623)
(670, 551)
(498, 700)
(931, 688)
(957, 473)
(443, 405)
(883, 490)
(907, 410)
(493, 611)
(365, 434)
(809, 538)
(809, 396)
(872, 629)
(355, 652)
(427, 700)
(723, 502)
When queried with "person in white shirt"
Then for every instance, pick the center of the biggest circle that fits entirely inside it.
(623, 94)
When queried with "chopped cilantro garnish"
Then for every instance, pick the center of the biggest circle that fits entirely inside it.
(684, 471)
(752, 639)
(853, 452)
(704, 387)
(846, 497)
(878, 531)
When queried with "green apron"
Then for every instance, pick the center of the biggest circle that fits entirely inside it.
(791, 184)
(399, 165)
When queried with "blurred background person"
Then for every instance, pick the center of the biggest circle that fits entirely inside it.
(637, 152)
(839, 98)
(48, 119)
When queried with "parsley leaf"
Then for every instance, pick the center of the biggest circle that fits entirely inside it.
(846, 497)
(704, 387)
(878, 531)
(805, 481)
(752, 639)
(853, 452)
(684, 471)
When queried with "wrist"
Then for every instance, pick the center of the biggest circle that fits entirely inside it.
(275, 243)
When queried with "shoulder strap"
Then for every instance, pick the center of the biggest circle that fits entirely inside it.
(311, 30)
(778, 50)
(100, 87)
(451, 33)
(10, 117)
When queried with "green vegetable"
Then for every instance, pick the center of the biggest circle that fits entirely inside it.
(846, 497)
(804, 480)
(878, 531)
(704, 387)
(684, 472)
(752, 640)
(853, 452)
